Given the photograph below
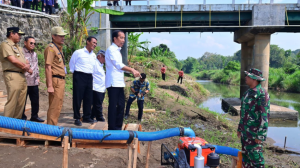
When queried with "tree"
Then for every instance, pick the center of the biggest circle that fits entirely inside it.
(77, 16)
(133, 39)
(277, 56)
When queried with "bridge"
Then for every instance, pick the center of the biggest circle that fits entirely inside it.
(252, 24)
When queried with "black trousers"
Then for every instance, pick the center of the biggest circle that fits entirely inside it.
(179, 78)
(97, 109)
(116, 3)
(49, 9)
(128, 2)
(33, 92)
(140, 104)
(27, 4)
(82, 92)
(116, 107)
(43, 6)
(35, 4)
(163, 76)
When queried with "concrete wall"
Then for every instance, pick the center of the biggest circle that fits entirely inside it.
(36, 26)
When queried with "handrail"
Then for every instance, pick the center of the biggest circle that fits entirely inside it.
(204, 2)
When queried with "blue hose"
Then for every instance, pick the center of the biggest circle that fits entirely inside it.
(226, 150)
(51, 130)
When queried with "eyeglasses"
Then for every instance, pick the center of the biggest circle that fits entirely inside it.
(32, 43)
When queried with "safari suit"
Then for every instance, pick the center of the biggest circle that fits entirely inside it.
(53, 56)
(255, 112)
(14, 79)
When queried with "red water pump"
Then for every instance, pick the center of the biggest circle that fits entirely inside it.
(187, 151)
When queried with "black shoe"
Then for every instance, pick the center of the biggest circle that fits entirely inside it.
(37, 119)
(126, 116)
(101, 119)
(78, 122)
(88, 121)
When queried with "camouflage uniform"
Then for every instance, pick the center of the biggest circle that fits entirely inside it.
(255, 112)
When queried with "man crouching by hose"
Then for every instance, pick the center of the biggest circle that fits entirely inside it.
(139, 88)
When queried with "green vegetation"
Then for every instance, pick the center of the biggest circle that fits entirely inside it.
(284, 70)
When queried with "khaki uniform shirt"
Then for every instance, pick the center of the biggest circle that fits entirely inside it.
(54, 57)
(9, 48)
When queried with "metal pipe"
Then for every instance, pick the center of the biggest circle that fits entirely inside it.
(176, 27)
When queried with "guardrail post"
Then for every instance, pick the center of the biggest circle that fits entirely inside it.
(121, 3)
(233, 2)
(260, 2)
(176, 2)
(148, 3)
(204, 2)
(248, 1)
(298, 4)
(271, 1)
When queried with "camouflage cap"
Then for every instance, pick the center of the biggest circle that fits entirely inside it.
(255, 74)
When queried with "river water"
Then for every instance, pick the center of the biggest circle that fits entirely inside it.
(278, 129)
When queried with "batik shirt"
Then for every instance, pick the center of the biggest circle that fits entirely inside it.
(255, 113)
(139, 87)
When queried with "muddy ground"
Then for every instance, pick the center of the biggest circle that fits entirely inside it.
(170, 97)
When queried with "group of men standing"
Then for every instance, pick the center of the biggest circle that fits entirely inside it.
(21, 76)
(116, 3)
(20, 72)
(48, 5)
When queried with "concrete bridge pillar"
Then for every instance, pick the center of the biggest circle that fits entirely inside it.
(124, 50)
(261, 56)
(246, 62)
(103, 36)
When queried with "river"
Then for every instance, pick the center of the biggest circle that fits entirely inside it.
(278, 129)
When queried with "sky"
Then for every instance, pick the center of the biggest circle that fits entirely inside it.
(195, 44)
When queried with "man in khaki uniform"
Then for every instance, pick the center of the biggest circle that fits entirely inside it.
(55, 74)
(14, 66)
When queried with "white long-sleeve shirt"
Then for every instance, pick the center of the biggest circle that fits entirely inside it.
(99, 78)
(83, 61)
(113, 62)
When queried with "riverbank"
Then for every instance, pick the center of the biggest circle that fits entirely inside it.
(178, 107)
(278, 79)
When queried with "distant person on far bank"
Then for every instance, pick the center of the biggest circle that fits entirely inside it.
(33, 80)
(114, 80)
(98, 87)
(180, 73)
(139, 88)
(254, 119)
(14, 65)
(82, 66)
(163, 72)
(128, 2)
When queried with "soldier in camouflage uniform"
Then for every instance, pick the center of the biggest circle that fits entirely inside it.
(253, 125)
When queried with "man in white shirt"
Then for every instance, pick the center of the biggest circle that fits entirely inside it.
(82, 66)
(114, 80)
(98, 87)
